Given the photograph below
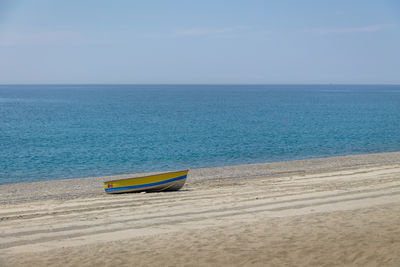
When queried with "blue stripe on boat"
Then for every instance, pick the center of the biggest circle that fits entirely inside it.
(145, 185)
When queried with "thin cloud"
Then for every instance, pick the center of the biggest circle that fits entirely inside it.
(216, 32)
(363, 29)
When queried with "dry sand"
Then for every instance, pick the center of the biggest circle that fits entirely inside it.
(321, 212)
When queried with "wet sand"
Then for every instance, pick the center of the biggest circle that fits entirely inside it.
(341, 211)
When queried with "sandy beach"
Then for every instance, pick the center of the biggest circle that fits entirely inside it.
(342, 211)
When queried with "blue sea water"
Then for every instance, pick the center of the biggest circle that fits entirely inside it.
(63, 131)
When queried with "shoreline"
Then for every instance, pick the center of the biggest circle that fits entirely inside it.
(363, 157)
(94, 185)
(330, 211)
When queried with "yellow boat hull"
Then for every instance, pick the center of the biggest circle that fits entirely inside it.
(170, 181)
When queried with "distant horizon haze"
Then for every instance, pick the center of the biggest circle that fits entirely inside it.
(194, 84)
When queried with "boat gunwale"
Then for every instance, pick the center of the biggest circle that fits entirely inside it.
(146, 176)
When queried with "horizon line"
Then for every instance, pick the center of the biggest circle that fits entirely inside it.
(11, 84)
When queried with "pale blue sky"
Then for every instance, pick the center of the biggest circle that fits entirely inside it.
(50, 41)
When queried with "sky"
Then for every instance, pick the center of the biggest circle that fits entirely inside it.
(200, 42)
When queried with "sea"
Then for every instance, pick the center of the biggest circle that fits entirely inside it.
(50, 132)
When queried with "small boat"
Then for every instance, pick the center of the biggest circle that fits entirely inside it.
(170, 181)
